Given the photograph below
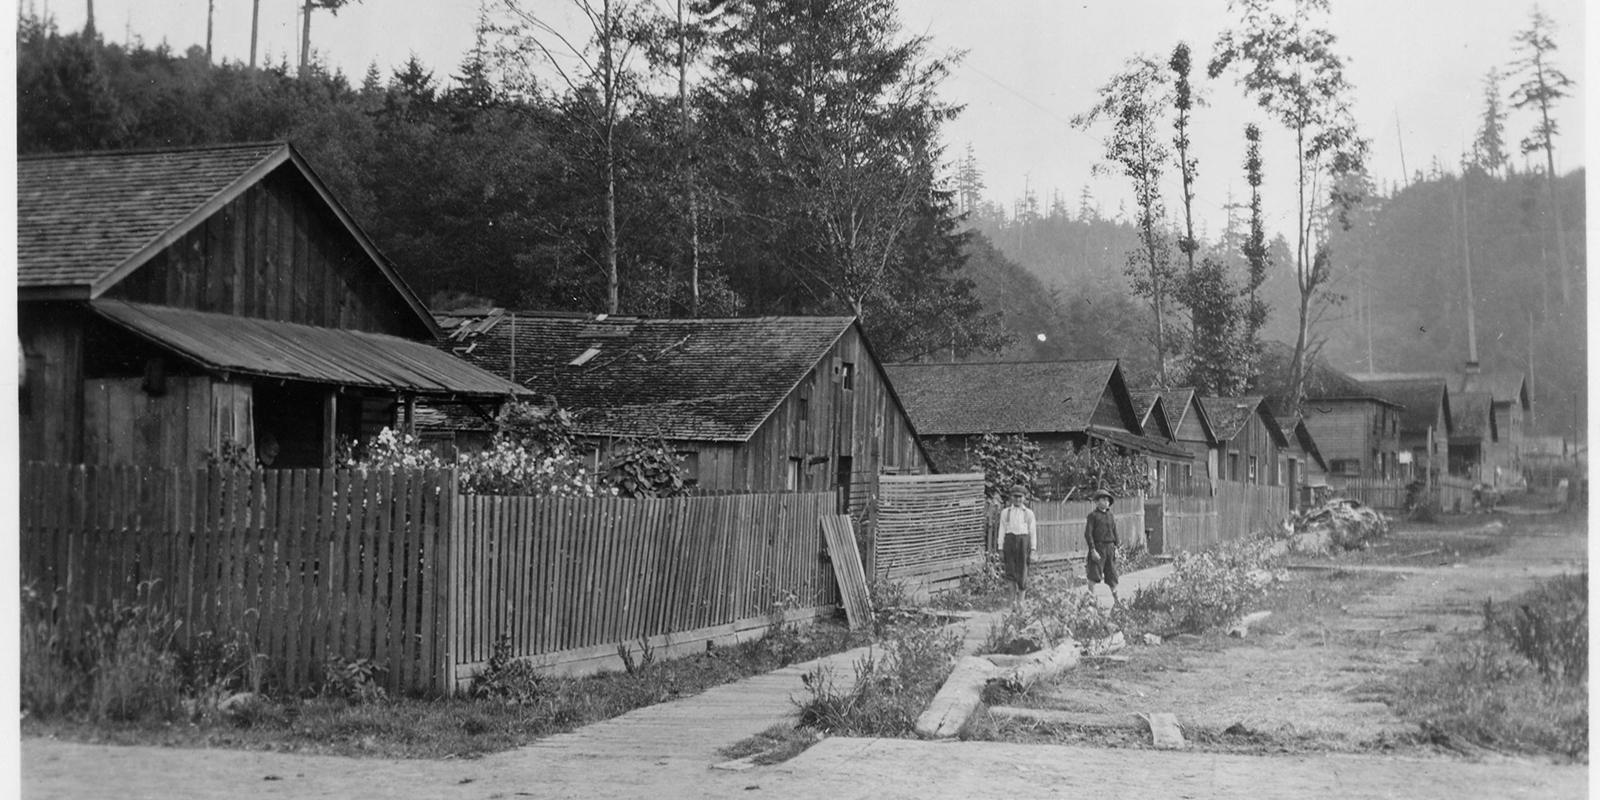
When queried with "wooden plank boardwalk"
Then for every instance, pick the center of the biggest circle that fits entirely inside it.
(691, 730)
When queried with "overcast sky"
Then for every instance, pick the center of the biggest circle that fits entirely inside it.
(1030, 65)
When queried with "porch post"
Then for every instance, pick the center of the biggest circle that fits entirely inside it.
(330, 420)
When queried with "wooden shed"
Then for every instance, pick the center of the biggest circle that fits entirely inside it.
(1249, 442)
(175, 302)
(753, 404)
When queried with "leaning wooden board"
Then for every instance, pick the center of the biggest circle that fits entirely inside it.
(847, 570)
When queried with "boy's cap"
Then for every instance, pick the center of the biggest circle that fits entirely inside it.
(1099, 493)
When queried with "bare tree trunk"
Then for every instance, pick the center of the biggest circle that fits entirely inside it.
(1555, 211)
(609, 79)
(305, 38)
(88, 27)
(1303, 280)
(211, 14)
(1466, 263)
(688, 187)
(255, 27)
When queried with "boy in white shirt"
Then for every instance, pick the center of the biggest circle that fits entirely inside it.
(1019, 538)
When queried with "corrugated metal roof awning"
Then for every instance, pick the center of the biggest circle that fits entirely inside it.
(270, 348)
(1143, 444)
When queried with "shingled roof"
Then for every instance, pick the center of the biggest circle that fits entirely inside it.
(1151, 407)
(1502, 387)
(1177, 403)
(1473, 422)
(1228, 416)
(86, 220)
(1420, 398)
(1032, 397)
(685, 379)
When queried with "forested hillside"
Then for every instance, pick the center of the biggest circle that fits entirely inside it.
(800, 175)
(1400, 283)
(1405, 283)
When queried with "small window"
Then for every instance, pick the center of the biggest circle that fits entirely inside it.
(849, 375)
(1254, 477)
(793, 481)
(1233, 466)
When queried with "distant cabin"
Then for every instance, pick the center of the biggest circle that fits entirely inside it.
(1062, 406)
(1250, 445)
(179, 303)
(767, 404)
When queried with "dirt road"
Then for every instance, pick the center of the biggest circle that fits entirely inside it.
(1314, 679)
(665, 760)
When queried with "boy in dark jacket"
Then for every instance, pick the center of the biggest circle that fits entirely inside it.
(1100, 534)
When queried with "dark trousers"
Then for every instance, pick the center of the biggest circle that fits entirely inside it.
(1106, 568)
(1014, 555)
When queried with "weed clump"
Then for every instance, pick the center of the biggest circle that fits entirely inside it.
(891, 687)
(1519, 685)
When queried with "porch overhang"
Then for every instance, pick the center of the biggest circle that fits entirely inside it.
(229, 344)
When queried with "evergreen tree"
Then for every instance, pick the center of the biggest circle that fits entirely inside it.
(1488, 148)
(1543, 84)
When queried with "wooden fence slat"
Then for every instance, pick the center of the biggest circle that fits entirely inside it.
(418, 671)
(383, 614)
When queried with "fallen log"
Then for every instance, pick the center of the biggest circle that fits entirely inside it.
(957, 699)
(1020, 672)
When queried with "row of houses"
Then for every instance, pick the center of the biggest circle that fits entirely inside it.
(178, 304)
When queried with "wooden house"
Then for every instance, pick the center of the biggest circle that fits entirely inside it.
(1425, 423)
(1191, 429)
(1357, 430)
(1472, 433)
(765, 404)
(1303, 467)
(1249, 442)
(1509, 406)
(1486, 436)
(175, 303)
(1168, 473)
(1062, 406)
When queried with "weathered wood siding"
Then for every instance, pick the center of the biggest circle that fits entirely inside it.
(277, 253)
(1342, 430)
(819, 423)
(1354, 429)
(1253, 440)
(51, 400)
(125, 424)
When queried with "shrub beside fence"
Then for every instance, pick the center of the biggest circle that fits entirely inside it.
(308, 564)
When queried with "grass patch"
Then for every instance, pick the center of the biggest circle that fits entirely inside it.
(135, 686)
(1519, 685)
